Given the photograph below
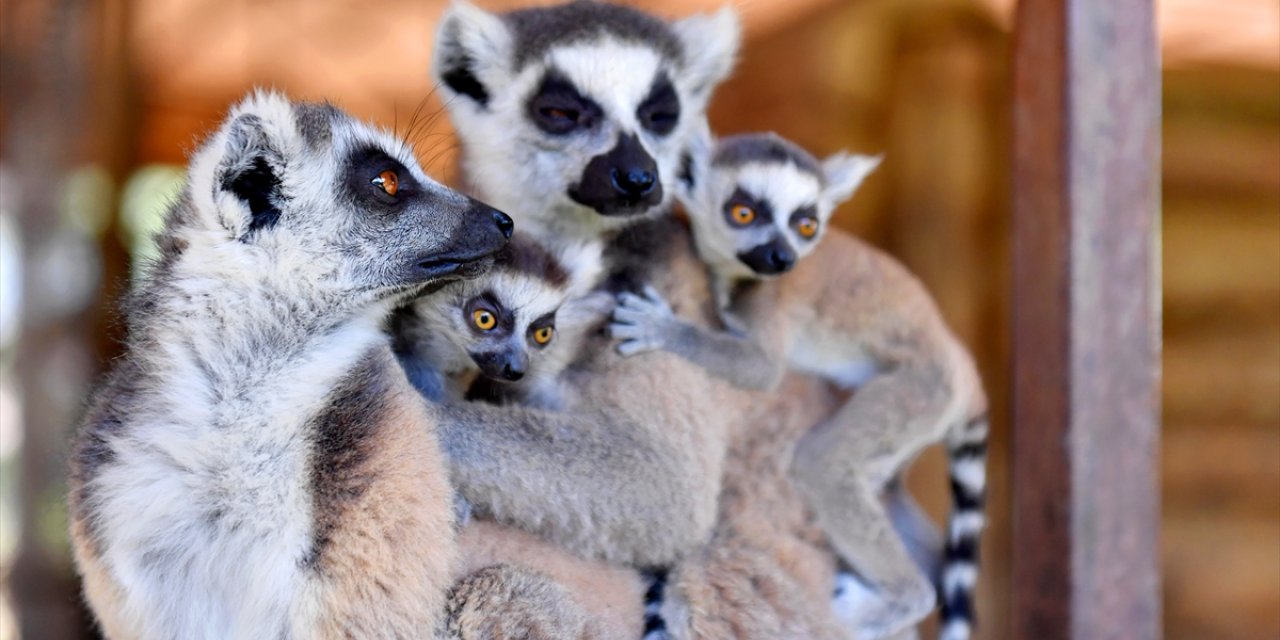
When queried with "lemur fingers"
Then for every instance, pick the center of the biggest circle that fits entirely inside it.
(634, 346)
(656, 298)
(642, 323)
(650, 306)
(627, 331)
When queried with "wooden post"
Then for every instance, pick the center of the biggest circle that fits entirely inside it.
(1086, 321)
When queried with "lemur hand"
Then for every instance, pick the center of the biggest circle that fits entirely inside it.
(642, 323)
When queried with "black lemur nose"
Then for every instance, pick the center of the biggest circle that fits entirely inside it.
(504, 222)
(512, 373)
(634, 182)
(782, 261)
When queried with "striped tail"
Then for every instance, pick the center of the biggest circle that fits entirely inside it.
(967, 451)
(655, 626)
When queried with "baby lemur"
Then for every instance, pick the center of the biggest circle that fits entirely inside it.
(256, 463)
(758, 204)
(505, 336)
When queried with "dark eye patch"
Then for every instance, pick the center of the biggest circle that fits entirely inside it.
(764, 211)
(365, 164)
(558, 108)
(545, 320)
(807, 211)
(489, 302)
(660, 110)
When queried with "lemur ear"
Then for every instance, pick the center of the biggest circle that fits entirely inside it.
(844, 172)
(694, 163)
(472, 52)
(710, 48)
(241, 169)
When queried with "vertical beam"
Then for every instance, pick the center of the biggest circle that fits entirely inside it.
(1086, 320)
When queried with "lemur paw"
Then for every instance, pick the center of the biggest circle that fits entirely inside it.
(861, 608)
(642, 323)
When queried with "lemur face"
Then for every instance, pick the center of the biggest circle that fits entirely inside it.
(305, 193)
(758, 204)
(502, 322)
(578, 110)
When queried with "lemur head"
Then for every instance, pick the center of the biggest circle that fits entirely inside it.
(758, 203)
(575, 116)
(504, 321)
(303, 196)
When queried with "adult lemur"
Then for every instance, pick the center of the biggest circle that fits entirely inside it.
(256, 464)
(759, 205)
(573, 118)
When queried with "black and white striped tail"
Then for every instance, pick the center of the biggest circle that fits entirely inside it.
(967, 453)
(655, 626)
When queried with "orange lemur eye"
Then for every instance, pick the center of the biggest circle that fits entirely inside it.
(388, 181)
(483, 320)
(543, 335)
(742, 214)
(808, 227)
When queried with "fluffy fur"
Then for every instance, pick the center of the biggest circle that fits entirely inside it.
(633, 474)
(607, 477)
(490, 65)
(918, 385)
(256, 463)
(444, 351)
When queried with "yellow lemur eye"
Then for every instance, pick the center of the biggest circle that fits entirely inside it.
(808, 227)
(543, 335)
(388, 181)
(483, 320)
(742, 214)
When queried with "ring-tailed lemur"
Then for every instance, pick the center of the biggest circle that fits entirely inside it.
(508, 334)
(758, 205)
(574, 118)
(552, 106)
(257, 464)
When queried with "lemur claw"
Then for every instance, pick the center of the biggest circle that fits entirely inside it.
(640, 322)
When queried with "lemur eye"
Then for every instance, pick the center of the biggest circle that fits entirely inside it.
(560, 114)
(808, 227)
(388, 181)
(543, 335)
(742, 214)
(483, 320)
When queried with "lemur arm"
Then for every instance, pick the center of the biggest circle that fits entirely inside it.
(600, 481)
(428, 380)
(742, 354)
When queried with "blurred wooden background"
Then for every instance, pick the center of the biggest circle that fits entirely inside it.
(101, 98)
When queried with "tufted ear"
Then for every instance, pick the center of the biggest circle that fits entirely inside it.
(472, 52)
(241, 169)
(844, 172)
(710, 47)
